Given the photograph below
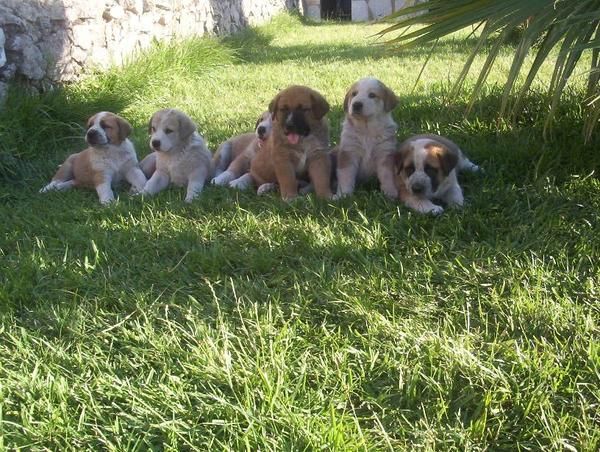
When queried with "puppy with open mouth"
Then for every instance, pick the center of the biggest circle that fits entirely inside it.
(180, 154)
(426, 170)
(298, 147)
(109, 159)
(368, 137)
(232, 159)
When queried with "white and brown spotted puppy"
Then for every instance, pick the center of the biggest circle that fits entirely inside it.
(368, 137)
(180, 155)
(109, 159)
(426, 169)
(232, 159)
(298, 147)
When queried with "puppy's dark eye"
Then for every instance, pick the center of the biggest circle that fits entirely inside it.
(372, 95)
(354, 93)
(410, 168)
(430, 171)
(168, 131)
(104, 125)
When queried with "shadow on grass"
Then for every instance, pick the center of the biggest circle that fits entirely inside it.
(255, 46)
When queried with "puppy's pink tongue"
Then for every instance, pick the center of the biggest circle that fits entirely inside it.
(293, 138)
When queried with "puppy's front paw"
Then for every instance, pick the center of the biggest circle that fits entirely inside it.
(391, 193)
(339, 195)
(239, 184)
(107, 202)
(223, 179)
(51, 186)
(435, 210)
(266, 188)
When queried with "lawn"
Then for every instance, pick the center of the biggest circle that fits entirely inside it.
(240, 322)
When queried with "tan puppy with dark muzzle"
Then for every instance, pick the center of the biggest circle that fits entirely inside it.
(232, 159)
(181, 157)
(109, 159)
(298, 144)
(426, 169)
(368, 137)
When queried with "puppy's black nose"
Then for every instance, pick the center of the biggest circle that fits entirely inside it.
(92, 133)
(261, 130)
(417, 189)
(357, 106)
(156, 144)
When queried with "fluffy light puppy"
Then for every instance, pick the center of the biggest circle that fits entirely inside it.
(426, 170)
(232, 159)
(368, 137)
(109, 159)
(181, 157)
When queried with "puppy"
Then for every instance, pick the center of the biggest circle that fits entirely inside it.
(298, 144)
(181, 157)
(368, 137)
(109, 158)
(426, 169)
(232, 159)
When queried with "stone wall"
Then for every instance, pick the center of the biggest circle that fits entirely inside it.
(43, 42)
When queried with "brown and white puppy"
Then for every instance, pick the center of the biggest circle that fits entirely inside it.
(368, 137)
(109, 159)
(181, 157)
(232, 159)
(298, 144)
(426, 169)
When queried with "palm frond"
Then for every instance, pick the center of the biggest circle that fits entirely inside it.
(567, 25)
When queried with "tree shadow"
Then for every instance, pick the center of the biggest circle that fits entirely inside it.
(255, 46)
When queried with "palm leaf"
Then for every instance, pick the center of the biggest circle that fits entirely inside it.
(569, 25)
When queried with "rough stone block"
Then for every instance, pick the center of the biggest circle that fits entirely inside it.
(380, 8)
(360, 10)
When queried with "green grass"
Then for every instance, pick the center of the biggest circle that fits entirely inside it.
(240, 322)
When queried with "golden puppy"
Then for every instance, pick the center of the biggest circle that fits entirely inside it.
(232, 159)
(298, 144)
(425, 170)
(109, 158)
(181, 157)
(368, 137)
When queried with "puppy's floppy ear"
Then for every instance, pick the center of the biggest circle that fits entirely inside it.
(186, 125)
(91, 121)
(348, 98)
(320, 106)
(124, 128)
(390, 101)
(152, 118)
(400, 155)
(448, 158)
(273, 106)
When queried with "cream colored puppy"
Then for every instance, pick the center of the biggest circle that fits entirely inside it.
(426, 170)
(109, 159)
(368, 137)
(232, 159)
(181, 157)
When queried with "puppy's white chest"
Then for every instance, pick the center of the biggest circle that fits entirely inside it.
(111, 160)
